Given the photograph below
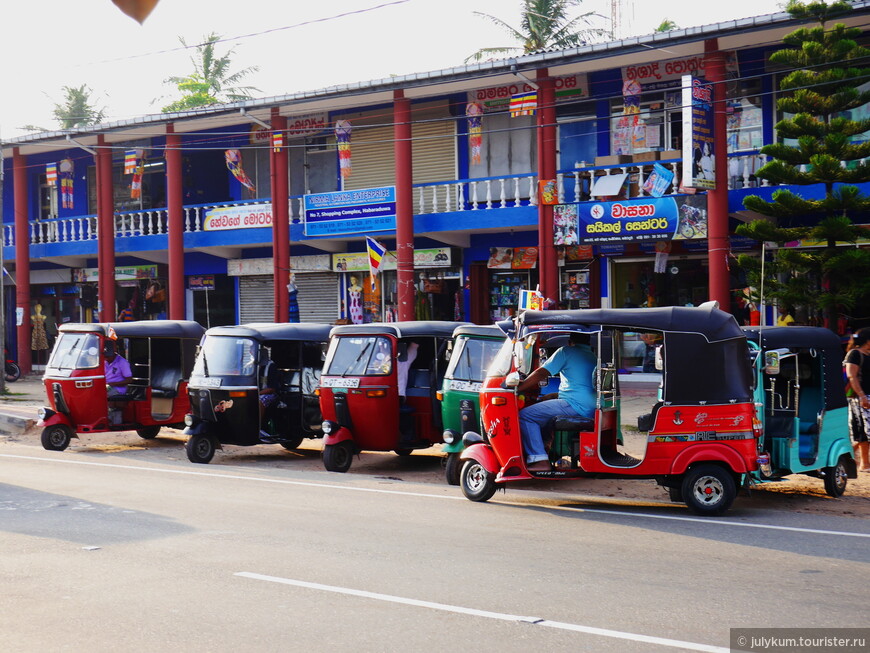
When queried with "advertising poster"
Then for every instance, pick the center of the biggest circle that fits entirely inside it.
(683, 217)
(699, 166)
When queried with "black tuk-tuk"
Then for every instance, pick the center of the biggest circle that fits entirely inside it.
(234, 366)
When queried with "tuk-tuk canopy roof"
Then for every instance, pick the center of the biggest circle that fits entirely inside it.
(275, 331)
(481, 330)
(706, 320)
(140, 329)
(794, 337)
(410, 329)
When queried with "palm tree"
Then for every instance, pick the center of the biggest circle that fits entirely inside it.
(76, 109)
(545, 24)
(667, 25)
(210, 82)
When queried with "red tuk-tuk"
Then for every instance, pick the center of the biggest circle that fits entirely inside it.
(701, 437)
(161, 355)
(378, 388)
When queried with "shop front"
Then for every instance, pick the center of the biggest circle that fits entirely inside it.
(140, 291)
(437, 286)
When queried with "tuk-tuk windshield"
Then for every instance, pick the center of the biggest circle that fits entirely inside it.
(226, 356)
(501, 364)
(471, 358)
(359, 356)
(76, 351)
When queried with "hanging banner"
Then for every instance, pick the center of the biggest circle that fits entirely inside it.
(474, 113)
(128, 273)
(699, 166)
(234, 165)
(350, 211)
(342, 137)
(67, 167)
(497, 98)
(512, 258)
(436, 257)
(683, 217)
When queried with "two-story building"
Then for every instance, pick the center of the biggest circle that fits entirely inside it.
(480, 181)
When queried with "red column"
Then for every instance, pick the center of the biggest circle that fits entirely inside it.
(175, 219)
(546, 121)
(280, 222)
(404, 206)
(22, 259)
(105, 231)
(718, 244)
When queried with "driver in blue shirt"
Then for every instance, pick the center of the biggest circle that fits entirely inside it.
(575, 364)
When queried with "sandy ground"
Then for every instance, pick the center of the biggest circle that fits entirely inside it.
(798, 493)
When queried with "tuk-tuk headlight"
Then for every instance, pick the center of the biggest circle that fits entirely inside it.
(328, 427)
(44, 413)
(449, 436)
(188, 420)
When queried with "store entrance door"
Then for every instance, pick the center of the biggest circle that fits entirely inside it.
(682, 282)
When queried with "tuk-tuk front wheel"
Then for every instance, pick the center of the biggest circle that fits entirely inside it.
(477, 483)
(708, 489)
(453, 468)
(201, 448)
(148, 432)
(56, 437)
(835, 479)
(338, 457)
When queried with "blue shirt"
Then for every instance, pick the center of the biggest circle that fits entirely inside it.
(575, 365)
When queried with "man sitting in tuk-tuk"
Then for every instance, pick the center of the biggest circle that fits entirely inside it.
(575, 365)
(117, 371)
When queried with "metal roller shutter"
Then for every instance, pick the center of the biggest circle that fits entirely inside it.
(256, 300)
(317, 296)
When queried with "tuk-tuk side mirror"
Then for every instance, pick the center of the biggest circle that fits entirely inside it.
(659, 358)
(512, 380)
(771, 362)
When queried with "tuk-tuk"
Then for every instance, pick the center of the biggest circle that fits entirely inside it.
(799, 373)
(160, 354)
(471, 351)
(255, 384)
(378, 389)
(701, 439)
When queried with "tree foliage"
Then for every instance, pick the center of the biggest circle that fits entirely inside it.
(544, 24)
(77, 110)
(827, 67)
(211, 81)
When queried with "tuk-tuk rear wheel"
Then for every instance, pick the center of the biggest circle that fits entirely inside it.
(708, 489)
(836, 479)
(200, 448)
(338, 457)
(453, 468)
(477, 483)
(56, 437)
(148, 432)
(290, 445)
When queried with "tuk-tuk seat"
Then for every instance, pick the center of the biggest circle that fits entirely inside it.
(418, 382)
(574, 423)
(164, 382)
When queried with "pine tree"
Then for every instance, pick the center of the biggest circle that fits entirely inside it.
(827, 67)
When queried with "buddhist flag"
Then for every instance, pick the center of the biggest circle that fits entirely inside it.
(376, 257)
(524, 104)
(131, 162)
(51, 174)
(277, 141)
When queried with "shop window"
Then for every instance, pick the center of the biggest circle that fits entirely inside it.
(508, 148)
(657, 127)
(47, 199)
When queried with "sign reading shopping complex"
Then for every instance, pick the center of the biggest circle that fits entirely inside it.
(643, 219)
(350, 212)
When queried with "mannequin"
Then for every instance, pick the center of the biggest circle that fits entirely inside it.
(354, 293)
(39, 341)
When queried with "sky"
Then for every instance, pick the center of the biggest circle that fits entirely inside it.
(298, 46)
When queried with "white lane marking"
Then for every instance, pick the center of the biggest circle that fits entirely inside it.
(501, 616)
(603, 511)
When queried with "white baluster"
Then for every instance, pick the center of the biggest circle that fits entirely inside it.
(460, 204)
(448, 205)
(474, 196)
(560, 187)
(578, 185)
(434, 199)
(503, 202)
(533, 191)
(489, 193)
(421, 200)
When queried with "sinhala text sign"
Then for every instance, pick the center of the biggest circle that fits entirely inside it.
(699, 166)
(644, 219)
(350, 211)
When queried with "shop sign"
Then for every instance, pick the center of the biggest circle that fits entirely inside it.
(128, 273)
(246, 267)
(699, 165)
(201, 282)
(350, 212)
(248, 216)
(665, 74)
(512, 258)
(307, 125)
(436, 257)
(681, 217)
(497, 98)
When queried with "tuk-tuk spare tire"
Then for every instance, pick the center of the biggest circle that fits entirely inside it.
(338, 457)
(56, 437)
(200, 448)
(708, 489)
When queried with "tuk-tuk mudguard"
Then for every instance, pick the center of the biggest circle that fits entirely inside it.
(484, 455)
(196, 429)
(340, 435)
(58, 418)
(839, 448)
(713, 452)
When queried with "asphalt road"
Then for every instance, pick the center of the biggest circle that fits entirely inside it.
(116, 553)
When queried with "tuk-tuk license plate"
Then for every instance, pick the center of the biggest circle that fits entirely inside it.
(339, 382)
(206, 381)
